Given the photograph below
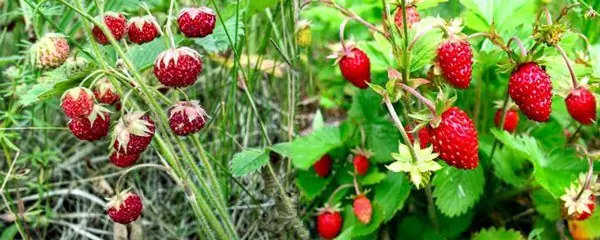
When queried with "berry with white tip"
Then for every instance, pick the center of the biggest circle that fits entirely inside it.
(133, 133)
(186, 118)
(142, 29)
(116, 24)
(197, 22)
(125, 207)
(105, 92)
(178, 67)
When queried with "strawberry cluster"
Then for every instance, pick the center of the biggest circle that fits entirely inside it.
(89, 121)
(139, 30)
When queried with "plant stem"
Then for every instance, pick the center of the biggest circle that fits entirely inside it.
(569, 65)
(400, 127)
(342, 38)
(421, 98)
(519, 44)
(338, 189)
(406, 52)
(501, 127)
(353, 15)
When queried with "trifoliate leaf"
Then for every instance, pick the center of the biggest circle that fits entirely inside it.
(248, 161)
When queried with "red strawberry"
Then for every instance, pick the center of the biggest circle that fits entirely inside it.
(531, 89)
(197, 22)
(178, 67)
(125, 207)
(511, 122)
(581, 104)
(423, 134)
(455, 59)
(585, 215)
(356, 67)
(412, 16)
(361, 164)
(323, 166)
(143, 29)
(133, 133)
(105, 92)
(123, 160)
(329, 223)
(77, 102)
(455, 139)
(186, 118)
(92, 128)
(363, 209)
(116, 23)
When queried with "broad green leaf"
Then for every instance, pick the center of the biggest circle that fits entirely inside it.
(425, 4)
(508, 167)
(493, 233)
(9, 233)
(248, 161)
(453, 227)
(143, 56)
(456, 191)
(305, 151)
(546, 204)
(372, 177)
(219, 41)
(282, 149)
(311, 184)
(361, 229)
(391, 193)
(379, 53)
(382, 140)
(366, 107)
(417, 226)
(346, 234)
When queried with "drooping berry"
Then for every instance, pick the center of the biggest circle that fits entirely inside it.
(91, 128)
(329, 223)
(356, 67)
(412, 17)
(323, 166)
(455, 139)
(143, 29)
(133, 133)
(585, 215)
(510, 123)
(116, 23)
(581, 104)
(77, 102)
(50, 51)
(123, 160)
(186, 118)
(178, 67)
(361, 164)
(362, 209)
(531, 89)
(455, 59)
(105, 92)
(125, 207)
(197, 22)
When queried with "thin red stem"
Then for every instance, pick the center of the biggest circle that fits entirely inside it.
(342, 30)
(569, 65)
(420, 97)
(519, 43)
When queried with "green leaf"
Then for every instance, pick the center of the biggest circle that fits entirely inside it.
(382, 140)
(493, 233)
(143, 56)
(10, 59)
(456, 191)
(318, 121)
(248, 161)
(361, 229)
(508, 166)
(452, 227)
(391, 193)
(346, 234)
(218, 41)
(282, 149)
(425, 4)
(417, 226)
(425, 50)
(305, 151)
(311, 184)
(547, 205)
(51, 84)
(9, 233)
(372, 177)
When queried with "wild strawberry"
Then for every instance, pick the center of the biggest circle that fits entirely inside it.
(197, 22)
(362, 209)
(186, 118)
(123, 160)
(323, 166)
(92, 128)
(585, 215)
(356, 67)
(178, 67)
(77, 102)
(105, 92)
(577, 204)
(412, 16)
(455, 139)
(329, 223)
(133, 133)
(455, 59)
(531, 89)
(50, 51)
(125, 207)
(361, 164)
(511, 122)
(116, 23)
(143, 29)
(581, 104)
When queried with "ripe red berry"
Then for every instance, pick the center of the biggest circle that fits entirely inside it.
(585, 215)
(356, 68)
(123, 160)
(329, 223)
(363, 209)
(423, 134)
(186, 118)
(142, 29)
(105, 92)
(92, 128)
(455, 59)
(133, 133)
(412, 17)
(511, 122)
(581, 104)
(455, 139)
(531, 89)
(77, 102)
(197, 22)
(178, 67)
(323, 166)
(50, 51)
(125, 207)
(117, 25)
(361, 164)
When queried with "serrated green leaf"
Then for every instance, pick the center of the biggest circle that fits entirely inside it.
(311, 184)
(494, 233)
(305, 151)
(361, 229)
(51, 84)
(508, 167)
(143, 56)
(452, 227)
(391, 193)
(9, 233)
(346, 234)
(248, 161)
(372, 177)
(456, 191)
(282, 149)
(547, 205)
(425, 50)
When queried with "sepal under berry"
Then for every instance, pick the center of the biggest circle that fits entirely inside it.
(77, 102)
(105, 92)
(197, 22)
(125, 207)
(187, 117)
(133, 133)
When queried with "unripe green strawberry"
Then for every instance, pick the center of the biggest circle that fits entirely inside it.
(50, 51)
(77, 66)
